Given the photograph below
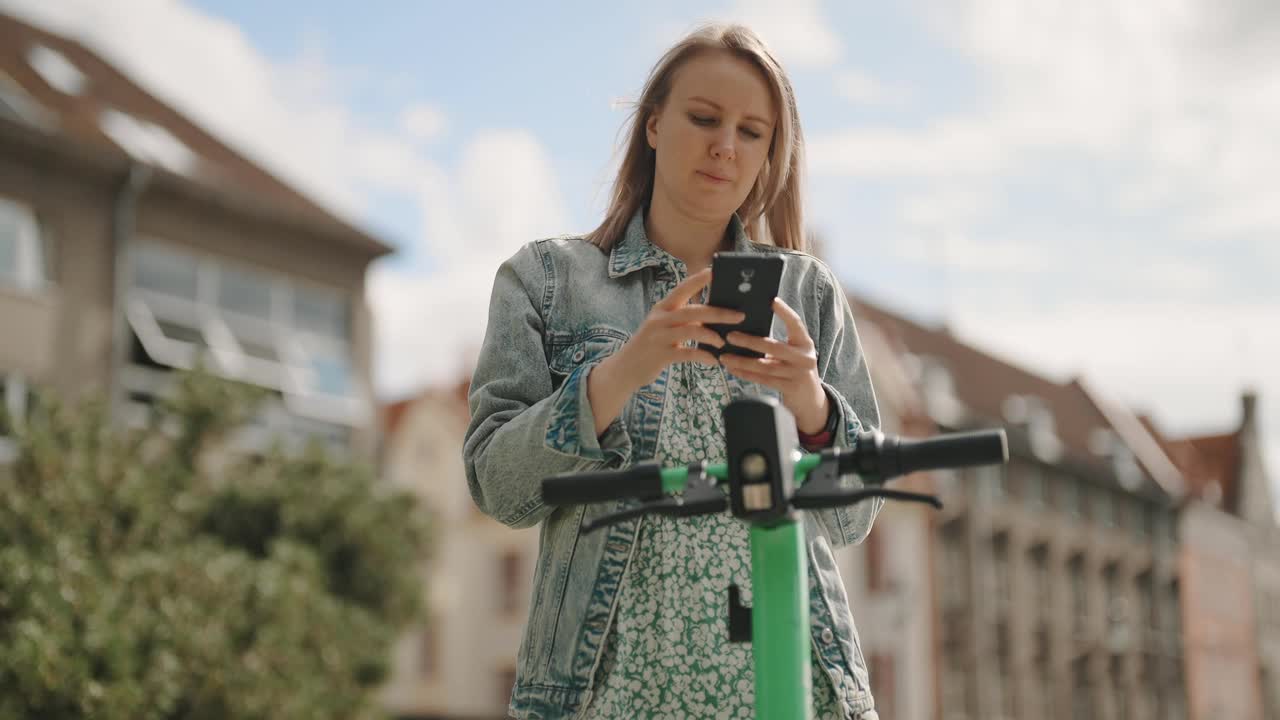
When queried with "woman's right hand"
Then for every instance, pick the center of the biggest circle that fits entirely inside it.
(664, 336)
(659, 341)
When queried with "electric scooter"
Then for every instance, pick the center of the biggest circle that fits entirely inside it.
(765, 481)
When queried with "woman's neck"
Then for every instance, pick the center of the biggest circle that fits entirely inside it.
(693, 241)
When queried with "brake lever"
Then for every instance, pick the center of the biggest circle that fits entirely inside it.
(823, 488)
(700, 497)
(817, 501)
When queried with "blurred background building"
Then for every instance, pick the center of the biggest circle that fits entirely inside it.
(1111, 570)
(132, 242)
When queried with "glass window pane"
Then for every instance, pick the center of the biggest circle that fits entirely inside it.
(244, 291)
(165, 271)
(324, 312)
(182, 333)
(331, 375)
(8, 244)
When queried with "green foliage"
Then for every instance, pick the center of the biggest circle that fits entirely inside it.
(140, 578)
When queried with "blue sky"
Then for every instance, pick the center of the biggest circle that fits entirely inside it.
(1083, 188)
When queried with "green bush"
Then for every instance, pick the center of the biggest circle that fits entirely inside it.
(141, 578)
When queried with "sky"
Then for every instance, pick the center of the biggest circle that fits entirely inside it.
(1082, 188)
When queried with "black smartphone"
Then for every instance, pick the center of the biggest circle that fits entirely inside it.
(745, 281)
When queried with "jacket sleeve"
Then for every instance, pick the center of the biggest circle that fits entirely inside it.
(522, 427)
(846, 379)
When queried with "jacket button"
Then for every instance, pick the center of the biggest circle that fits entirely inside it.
(827, 636)
(579, 355)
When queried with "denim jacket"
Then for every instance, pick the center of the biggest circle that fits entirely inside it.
(559, 306)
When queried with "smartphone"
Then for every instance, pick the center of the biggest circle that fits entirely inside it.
(745, 281)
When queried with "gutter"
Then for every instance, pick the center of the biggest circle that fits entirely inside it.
(124, 216)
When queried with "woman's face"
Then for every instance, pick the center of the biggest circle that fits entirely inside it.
(712, 135)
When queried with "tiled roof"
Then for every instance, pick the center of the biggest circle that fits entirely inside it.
(984, 383)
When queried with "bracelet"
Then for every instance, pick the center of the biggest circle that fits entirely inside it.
(822, 438)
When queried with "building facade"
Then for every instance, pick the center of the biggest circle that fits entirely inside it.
(1056, 576)
(134, 243)
(460, 662)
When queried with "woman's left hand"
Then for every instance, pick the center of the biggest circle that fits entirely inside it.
(789, 367)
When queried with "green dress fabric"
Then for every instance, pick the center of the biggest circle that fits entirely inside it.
(667, 654)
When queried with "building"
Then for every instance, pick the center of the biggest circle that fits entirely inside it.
(133, 243)
(1056, 576)
(889, 577)
(1231, 569)
(461, 662)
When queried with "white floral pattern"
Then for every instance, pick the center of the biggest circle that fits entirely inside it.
(668, 653)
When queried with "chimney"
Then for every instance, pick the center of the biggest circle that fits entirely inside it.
(1248, 408)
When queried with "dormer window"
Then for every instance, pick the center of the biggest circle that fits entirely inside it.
(56, 70)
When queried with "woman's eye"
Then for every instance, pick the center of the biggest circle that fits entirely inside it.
(701, 119)
(750, 133)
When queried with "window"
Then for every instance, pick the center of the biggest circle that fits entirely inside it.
(1002, 576)
(250, 325)
(1079, 594)
(1041, 580)
(1070, 489)
(1117, 610)
(165, 271)
(13, 408)
(321, 312)
(1082, 697)
(884, 683)
(506, 684)
(429, 648)
(955, 566)
(510, 567)
(22, 252)
(1145, 620)
(244, 292)
(875, 562)
(1104, 507)
(17, 104)
(991, 483)
(1033, 486)
(955, 686)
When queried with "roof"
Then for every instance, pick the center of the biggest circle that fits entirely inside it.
(452, 396)
(1211, 464)
(984, 383)
(59, 87)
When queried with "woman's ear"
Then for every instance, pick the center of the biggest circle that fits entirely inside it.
(651, 129)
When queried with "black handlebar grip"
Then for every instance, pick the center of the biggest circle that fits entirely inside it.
(643, 481)
(955, 450)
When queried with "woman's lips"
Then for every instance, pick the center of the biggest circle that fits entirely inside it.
(713, 177)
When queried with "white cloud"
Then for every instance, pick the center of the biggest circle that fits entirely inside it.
(796, 31)
(423, 122)
(858, 87)
(1167, 111)
(962, 252)
(950, 149)
(503, 194)
(947, 207)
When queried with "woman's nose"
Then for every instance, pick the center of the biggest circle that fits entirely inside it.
(722, 147)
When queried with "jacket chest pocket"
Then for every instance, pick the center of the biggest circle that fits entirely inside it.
(567, 352)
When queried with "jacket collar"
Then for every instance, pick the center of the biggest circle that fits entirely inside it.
(635, 251)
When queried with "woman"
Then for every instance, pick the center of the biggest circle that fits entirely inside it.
(590, 362)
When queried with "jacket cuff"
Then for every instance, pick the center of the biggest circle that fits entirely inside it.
(848, 525)
(571, 426)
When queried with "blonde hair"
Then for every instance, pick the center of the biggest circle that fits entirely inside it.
(772, 211)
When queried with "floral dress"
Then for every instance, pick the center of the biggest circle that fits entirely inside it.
(668, 653)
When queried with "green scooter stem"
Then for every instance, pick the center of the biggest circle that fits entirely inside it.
(780, 622)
